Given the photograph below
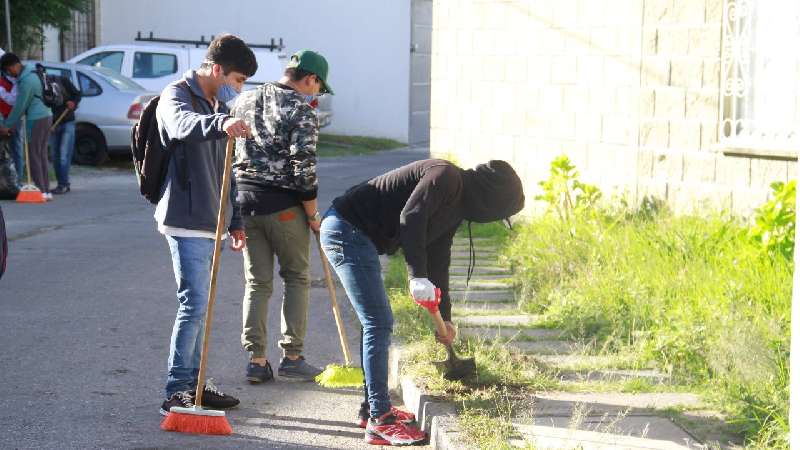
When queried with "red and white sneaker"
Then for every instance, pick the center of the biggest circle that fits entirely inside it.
(401, 416)
(388, 430)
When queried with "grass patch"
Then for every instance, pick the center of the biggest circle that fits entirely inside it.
(694, 295)
(497, 365)
(485, 415)
(492, 234)
(330, 145)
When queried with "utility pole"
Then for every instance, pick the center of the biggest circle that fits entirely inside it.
(8, 27)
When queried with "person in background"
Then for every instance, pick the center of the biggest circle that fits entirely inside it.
(38, 118)
(62, 139)
(8, 97)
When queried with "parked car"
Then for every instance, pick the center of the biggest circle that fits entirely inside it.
(111, 104)
(154, 66)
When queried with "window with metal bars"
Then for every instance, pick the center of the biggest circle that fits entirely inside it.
(81, 34)
(760, 82)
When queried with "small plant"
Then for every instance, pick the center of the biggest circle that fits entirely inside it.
(565, 193)
(775, 221)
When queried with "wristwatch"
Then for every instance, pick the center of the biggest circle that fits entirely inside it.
(316, 217)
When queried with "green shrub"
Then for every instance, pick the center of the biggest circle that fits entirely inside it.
(565, 194)
(775, 221)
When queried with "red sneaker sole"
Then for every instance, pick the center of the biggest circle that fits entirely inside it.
(375, 440)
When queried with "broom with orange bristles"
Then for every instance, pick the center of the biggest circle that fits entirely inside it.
(197, 419)
(29, 193)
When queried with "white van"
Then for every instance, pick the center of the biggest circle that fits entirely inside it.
(155, 66)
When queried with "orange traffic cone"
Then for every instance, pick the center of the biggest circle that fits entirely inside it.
(29, 193)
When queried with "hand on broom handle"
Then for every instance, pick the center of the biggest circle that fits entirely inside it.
(212, 291)
(60, 118)
(332, 293)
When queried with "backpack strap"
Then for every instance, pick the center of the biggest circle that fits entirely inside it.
(182, 165)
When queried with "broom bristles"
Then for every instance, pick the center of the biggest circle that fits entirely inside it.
(30, 194)
(198, 422)
(336, 376)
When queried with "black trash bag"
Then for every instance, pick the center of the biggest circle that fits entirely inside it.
(8, 174)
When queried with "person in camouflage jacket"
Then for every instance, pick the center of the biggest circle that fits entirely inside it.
(276, 178)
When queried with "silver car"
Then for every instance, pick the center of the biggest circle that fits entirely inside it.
(110, 105)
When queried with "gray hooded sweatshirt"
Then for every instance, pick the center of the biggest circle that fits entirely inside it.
(190, 195)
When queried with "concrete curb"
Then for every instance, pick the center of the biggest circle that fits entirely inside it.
(435, 415)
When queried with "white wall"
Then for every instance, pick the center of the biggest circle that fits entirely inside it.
(366, 43)
(51, 50)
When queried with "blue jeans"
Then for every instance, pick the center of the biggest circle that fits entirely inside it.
(17, 153)
(62, 146)
(356, 262)
(191, 261)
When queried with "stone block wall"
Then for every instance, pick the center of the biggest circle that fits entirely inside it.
(628, 89)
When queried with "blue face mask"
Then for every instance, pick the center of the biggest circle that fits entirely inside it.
(226, 93)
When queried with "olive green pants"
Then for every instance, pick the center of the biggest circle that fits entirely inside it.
(285, 235)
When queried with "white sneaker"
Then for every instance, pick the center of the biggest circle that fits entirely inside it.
(48, 196)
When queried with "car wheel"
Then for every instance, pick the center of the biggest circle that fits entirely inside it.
(90, 146)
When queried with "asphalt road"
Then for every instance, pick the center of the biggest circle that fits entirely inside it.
(86, 312)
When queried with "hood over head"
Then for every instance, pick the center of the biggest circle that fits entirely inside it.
(492, 191)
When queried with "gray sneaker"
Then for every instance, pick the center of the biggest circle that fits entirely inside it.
(298, 369)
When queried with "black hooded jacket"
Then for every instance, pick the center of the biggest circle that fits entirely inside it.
(418, 207)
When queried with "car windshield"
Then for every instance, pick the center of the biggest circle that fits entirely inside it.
(115, 79)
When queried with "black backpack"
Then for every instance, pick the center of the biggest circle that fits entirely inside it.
(150, 158)
(52, 97)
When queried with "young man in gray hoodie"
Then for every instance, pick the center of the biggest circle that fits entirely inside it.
(195, 124)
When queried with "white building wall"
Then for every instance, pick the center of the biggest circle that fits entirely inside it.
(51, 50)
(365, 42)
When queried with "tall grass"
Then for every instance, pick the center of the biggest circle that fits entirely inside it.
(694, 295)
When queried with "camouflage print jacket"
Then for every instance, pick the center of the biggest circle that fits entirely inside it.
(283, 150)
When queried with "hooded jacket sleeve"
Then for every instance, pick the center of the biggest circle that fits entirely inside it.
(436, 189)
(236, 218)
(439, 269)
(178, 119)
(74, 94)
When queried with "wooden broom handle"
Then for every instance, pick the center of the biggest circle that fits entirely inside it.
(438, 322)
(334, 304)
(60, 118)
(24, 120)
(212, 290)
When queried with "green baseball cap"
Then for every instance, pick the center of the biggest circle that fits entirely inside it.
(313, 62)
